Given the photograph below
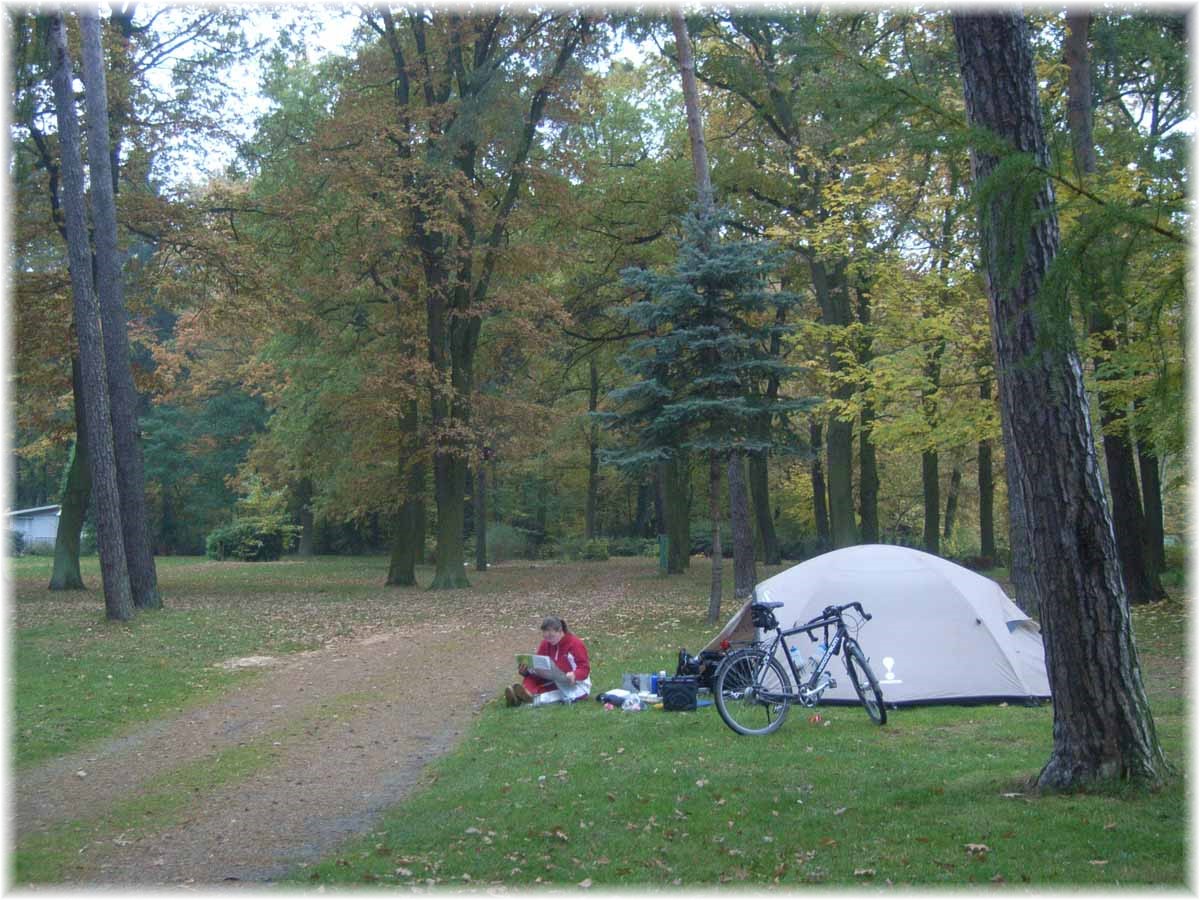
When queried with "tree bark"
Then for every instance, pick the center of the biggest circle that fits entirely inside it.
(131, 479)
(868, 466)
(744, 572)
(831, 293)
(952, 502)
(817, 475)
(714, 516)
(760, 494)
(691, 102)
(77, 490)
(304, 491)
(932, 495)
(1102, 723)
(1079, 90)
(409, 539)
(1152, 506)
(480, 494)
(118, 601)
(987, 491)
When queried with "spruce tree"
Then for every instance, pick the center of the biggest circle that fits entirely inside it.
(708, 326)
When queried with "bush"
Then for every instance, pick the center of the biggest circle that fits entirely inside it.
(16, 543)
(505, 542)
(633, 546)
(578, 548)
(249, 541)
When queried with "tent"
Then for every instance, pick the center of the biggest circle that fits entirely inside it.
(939, 633)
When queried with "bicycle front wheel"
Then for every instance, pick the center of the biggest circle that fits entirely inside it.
(752, 692)
(866, 685)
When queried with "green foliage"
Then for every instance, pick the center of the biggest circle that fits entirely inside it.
(16, 543)
(633, 546)
(709, 325)
(505, 542)
(260, 533)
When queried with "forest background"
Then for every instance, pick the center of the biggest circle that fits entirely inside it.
(307, 366)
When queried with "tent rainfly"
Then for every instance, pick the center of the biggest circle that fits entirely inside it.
(939, 633)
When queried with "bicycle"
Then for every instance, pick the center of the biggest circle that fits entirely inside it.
(753, 691)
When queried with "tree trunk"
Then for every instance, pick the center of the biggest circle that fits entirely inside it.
(1142, 584)
(868, 472)
(744, 572)
(714, 516)
(952, 502)
(691, 102)
(118, 601)
(675, 496)
(931, 491)
(480, 492)
(131, 479)
(868, 466)
(1152, 507)
(831, 292)
(409, 539)
(304, 492)
(760, 493)
(817, 474)
(660, 518)
(77, 490)
(1079, 91)
(593, 483)
(987, 491)
(1102, 723)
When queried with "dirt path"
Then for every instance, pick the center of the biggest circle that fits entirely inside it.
(352, 727)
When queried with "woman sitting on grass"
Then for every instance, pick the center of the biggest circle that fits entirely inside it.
(569, 654)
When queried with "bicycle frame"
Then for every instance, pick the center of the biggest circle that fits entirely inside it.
(806, 689)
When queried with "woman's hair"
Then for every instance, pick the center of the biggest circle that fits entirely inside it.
(555, 622)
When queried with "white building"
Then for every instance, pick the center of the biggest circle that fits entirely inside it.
(37, 526)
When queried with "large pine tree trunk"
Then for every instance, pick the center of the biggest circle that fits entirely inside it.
(1102, 722)
(118, 601)
(65, 575)
(714, 516)
(131, 479)
(744, 572)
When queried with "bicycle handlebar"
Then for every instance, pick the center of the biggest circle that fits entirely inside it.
(832, 612)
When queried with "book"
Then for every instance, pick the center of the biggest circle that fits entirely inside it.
(544, 667)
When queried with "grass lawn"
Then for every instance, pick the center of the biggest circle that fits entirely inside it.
(584, 796)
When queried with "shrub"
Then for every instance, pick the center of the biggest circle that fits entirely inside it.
(249, 541)
(596, 550)
(633, 546)
(16, 543)
(505, 542)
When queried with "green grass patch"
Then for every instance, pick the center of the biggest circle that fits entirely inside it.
(579, 795)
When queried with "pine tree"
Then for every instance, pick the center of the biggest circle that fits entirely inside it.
(709, 324)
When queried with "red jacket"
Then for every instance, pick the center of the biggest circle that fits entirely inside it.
(569, 654)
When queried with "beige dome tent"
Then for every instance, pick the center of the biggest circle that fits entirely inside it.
(939, 633)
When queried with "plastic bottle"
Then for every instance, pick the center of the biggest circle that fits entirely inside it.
(815, 659)
(803, 666)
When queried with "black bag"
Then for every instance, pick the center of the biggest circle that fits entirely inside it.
(678, 693)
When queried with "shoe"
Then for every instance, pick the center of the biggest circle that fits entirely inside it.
(510, 699)
(522, 695)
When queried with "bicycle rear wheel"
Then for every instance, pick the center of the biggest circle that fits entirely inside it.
(866, 685)
(742, 682)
